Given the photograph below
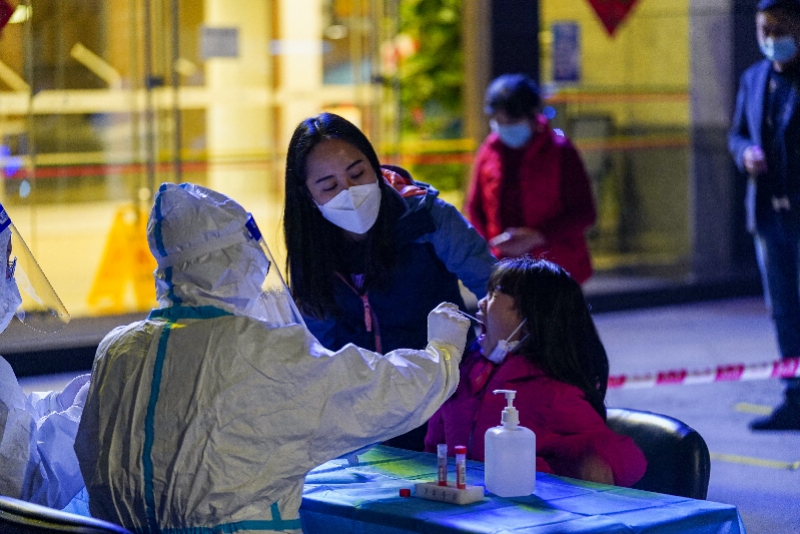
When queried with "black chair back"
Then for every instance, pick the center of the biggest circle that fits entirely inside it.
(678, 462)
(21, 517)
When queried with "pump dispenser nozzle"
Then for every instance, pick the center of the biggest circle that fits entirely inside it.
(510, 417)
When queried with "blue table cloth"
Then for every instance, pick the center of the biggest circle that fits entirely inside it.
(352, 499)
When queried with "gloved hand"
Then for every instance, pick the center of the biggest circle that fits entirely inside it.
(69, 395)
(447, 325)
(80, 398)
(76, 409)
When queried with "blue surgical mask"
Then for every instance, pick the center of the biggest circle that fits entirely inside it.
(779, 49)
(512, 135)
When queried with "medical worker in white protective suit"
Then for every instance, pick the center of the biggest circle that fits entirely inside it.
(208, 415)
(37, 431)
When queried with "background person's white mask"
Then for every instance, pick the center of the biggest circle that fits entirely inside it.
(355, 209)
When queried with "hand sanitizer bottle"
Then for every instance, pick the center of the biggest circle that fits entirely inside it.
(510, 454)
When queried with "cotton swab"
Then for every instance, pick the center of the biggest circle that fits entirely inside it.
(468, 316)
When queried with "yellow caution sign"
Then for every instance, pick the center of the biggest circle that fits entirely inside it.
(126, 262)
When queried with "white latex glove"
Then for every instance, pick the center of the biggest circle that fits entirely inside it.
(44, 403)
(447, 325)
(80, 398)
(69, 394)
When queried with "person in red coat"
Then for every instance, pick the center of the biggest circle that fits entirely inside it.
(539, 340)
(530, 192)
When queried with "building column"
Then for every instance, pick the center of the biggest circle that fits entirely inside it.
(722, 39)
(477, 39)
(515, 37)
(500, 37)
(299, 64)
(237, 115)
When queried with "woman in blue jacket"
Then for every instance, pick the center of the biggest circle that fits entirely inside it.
(370, 251)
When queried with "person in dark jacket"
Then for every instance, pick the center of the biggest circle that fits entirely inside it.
(765, 143)
(370, 252)
(530, 193)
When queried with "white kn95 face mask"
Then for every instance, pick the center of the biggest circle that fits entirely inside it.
(354, 209)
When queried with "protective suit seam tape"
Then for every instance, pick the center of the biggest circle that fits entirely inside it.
(149, 428)
(158, 237)
(275, 511)
(171, 292)
(231, 528)
(188, 312)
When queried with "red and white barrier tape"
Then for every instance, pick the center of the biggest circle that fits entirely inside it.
(786, 368)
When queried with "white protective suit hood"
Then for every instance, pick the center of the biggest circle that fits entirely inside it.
(210, 253)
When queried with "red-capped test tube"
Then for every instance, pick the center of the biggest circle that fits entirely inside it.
(441, 460)
(461, 467)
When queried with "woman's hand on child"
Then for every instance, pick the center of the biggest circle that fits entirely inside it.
(595, 469)
(517, 241)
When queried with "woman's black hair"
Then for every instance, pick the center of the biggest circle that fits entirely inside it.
(561, 335)
(515, 94)
(315, 246)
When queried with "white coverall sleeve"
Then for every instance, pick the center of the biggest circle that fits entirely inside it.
(375, 397)
(38, 432)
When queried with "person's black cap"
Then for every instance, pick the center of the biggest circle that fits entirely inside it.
(768, 4)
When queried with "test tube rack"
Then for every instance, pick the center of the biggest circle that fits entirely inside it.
(449, 493)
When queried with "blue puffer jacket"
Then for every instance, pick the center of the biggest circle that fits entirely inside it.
(436, 247)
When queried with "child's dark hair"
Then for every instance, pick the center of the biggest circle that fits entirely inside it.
(314, 244)
(514, 94)
(561, 335)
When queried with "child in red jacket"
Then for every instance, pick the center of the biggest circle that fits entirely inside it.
(540, 340)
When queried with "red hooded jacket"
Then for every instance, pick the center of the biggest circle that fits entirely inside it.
(555, 194)
(567, 428)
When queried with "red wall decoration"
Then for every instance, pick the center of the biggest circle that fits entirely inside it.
(6, 10)
(612, 12)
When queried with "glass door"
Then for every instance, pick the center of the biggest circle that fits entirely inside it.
(103, 100)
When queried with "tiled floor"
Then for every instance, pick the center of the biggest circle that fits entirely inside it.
(751, 470)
